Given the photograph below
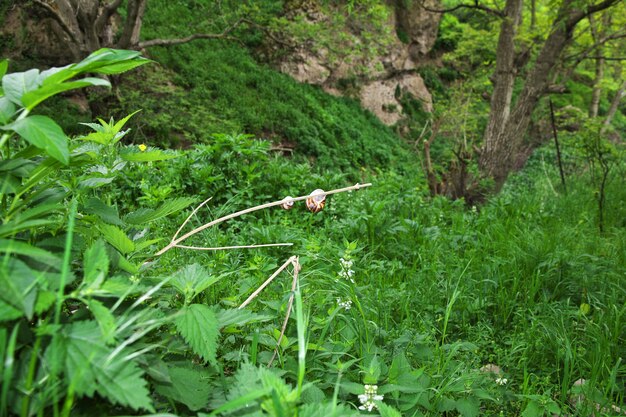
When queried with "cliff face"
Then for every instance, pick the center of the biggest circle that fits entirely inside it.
(381, 81)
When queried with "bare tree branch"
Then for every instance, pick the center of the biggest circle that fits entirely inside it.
(476, 6)
(108, 10)
(169, 42)
(577, 15)
(178, 41)
(59, 19)
(600, 42)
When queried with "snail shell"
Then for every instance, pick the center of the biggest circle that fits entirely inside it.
(287, 203)
(316, 201)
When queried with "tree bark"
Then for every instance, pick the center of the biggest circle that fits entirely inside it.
(596, 93)
(504, 79)
(621, 93)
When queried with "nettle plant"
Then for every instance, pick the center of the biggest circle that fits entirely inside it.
(72, 311)
(79, 306)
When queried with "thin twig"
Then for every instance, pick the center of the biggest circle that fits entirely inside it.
(267, 281)
(294, 282)
(266, 245)
(176, 241)
(190, 216)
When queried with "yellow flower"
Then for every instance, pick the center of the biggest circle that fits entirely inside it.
(142, 147)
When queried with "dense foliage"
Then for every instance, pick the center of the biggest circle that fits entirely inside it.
(393, 302)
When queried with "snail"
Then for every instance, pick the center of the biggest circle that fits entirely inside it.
(287, 203)
(316, 201)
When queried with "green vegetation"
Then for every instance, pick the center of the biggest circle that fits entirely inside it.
(393, 302)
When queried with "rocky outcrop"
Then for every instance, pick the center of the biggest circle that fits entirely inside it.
(380, 82)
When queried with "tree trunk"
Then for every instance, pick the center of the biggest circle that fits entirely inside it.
(596, 93)
(597, 89)
(502, 142)
(621, 92)
(503, 80)
(132, 26)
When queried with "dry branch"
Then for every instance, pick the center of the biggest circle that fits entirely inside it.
(175, 241)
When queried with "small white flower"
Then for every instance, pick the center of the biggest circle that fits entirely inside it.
(367, 399)
(346, 305)
(501, 381)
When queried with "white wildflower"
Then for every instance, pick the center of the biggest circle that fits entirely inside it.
(346, 305)
(367, 399)
(501, 381)
(346, 271)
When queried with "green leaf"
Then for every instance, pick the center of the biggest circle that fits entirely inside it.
(13, 227)
(34, 97)
(7, 110)
(4, 65)
(110, 61)
(24, 249)
(192, 280)
(8, 312)
(45, 300)
(17, 84)
(387, 410)
(117, 238)
(105, 320)
(121, 381)
(44, 133)
(95, 182)
(468, 407)
(96, 265)
(136, 155)
(147, 215)
(239, 317)
(188, 386)
(199, 327)
(106, 213)
(533, 409)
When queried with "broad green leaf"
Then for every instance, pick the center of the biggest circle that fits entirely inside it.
(95, 182)
(117, 238)
(15, 85)
(4, 65)
(142, 244)
(387, 411)
(41, 210)
(9, 184)
(34, 97)
(239, 317)
(239, 402)
(45, 300)
(199, 327)
(321, 409)
(44, 133)
(533, 409)
(192, 280)
(149, 155)
(147, 215)
(110, 61)
(8, 312)
(105, 320)
(13, 227)
(468, 407)
(188, 386)
(24, 249)
(7, 110)
(96, 265)
(121, 381)
(106, 213)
